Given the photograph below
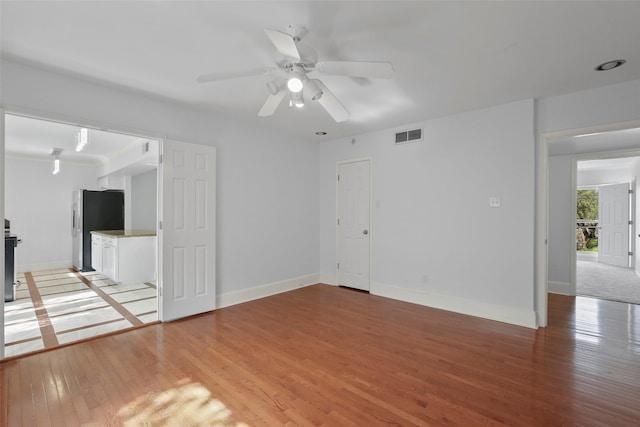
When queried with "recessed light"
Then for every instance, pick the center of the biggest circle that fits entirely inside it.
(610, 65)
(320, 132)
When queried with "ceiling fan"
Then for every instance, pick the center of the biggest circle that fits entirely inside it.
(294, 61)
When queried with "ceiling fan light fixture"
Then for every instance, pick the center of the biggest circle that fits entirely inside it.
(294, 83)
(313, 89)
(296, 100)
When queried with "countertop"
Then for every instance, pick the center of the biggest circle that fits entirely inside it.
(124, 233)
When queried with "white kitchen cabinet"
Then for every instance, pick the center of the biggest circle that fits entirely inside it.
(109, 256)
(96, 252)
(128, 257)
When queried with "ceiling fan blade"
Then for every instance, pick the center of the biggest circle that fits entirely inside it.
(272, 103)
(379, 70)
(330, 103)
(284, 43)
(213, 77)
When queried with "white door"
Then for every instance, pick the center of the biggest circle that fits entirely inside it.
(187, 276)
(613, 236)
(353, 224)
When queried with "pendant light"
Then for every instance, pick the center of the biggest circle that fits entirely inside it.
(55, 153)
(82, 138)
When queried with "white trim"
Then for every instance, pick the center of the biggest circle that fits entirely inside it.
(573, 258)
(160, 230)
(2, 171)
(541, 231)
(371, 233)
(562, 288)
(500, 313)
(266, 290)
(53, 265)
(632, 235)
(328, 279)
(609, 127)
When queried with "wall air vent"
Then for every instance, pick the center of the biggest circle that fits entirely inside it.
(408, 136)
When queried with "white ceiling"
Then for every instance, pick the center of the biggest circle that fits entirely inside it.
(619, 163)
(37, 138)
(449, 56)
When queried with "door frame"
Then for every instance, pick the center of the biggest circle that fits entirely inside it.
(542, 207)
(371, 227)
(73, 121)
(613, 154)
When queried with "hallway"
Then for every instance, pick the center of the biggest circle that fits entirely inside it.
(603, 281)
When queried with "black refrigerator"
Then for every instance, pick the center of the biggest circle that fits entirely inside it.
(94, 211)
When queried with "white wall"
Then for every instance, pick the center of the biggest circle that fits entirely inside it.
(578, 110)
(561, 223)
(431, 212)
(267, 196)
(144, 200)
(38, 204)
(602, 177)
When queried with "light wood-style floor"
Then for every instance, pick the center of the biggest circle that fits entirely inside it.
(330, 356)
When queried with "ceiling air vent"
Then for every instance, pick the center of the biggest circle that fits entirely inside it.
(409, 136)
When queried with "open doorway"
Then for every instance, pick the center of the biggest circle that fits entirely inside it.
(605, 229)
(53, 299)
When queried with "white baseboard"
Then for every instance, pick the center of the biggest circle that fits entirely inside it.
(55, 265)
(519, 317)
(562, 288)
(328, 279)
(262, 291)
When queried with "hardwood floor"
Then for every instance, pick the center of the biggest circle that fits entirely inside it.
(330, 356)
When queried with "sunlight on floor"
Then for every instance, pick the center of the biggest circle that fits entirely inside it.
(588, 313)
(188, 403)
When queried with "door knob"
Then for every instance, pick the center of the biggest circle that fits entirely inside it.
(365, 232)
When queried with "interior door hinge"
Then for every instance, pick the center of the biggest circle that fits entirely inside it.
(160, 159)
(338, 177)
(338, 221)
(630, 191)
(338, 266)
(630, 222)
(160, 225)
(630, 253)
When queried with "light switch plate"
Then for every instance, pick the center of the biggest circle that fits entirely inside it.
(494, 202)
